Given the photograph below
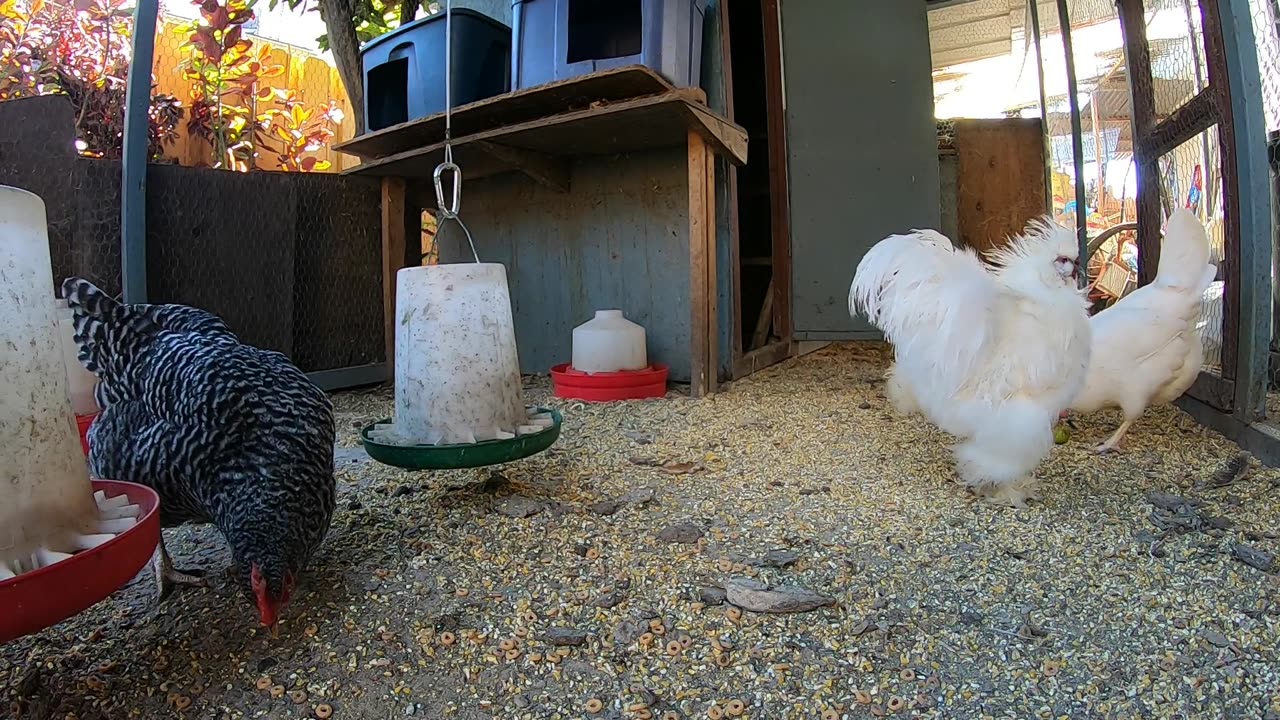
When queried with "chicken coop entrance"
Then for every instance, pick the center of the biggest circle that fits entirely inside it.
(762, 321)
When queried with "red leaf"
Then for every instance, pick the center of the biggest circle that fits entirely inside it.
(308, 164)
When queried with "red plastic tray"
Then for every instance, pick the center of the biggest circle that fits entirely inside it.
(84, 422)
(606, 387)
(41, 598)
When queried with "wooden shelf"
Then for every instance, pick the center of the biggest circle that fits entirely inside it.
(578, 93)
(542, 148)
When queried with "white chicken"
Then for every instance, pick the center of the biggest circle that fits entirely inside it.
(1147, 348)
(991, 356)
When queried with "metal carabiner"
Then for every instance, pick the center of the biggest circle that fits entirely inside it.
(450, 211)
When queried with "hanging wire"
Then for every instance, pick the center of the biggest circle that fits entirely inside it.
(450, 211)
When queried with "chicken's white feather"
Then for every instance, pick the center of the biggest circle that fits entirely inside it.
(990, 355)
(1147, 347)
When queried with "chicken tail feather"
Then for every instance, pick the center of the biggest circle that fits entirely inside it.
(1184, 254)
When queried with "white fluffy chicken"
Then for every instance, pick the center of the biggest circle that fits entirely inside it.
(1147, 349)
(991, 356)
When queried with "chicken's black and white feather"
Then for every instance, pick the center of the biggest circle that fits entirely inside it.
(225, 432)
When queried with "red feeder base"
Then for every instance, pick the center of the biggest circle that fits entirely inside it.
(607, 387)
(33, 601)
(84, 422)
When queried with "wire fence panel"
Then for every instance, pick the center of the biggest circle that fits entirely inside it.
(1265, 15)
(1266, 33)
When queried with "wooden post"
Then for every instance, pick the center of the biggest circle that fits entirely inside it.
(393, 254)
(704, 335)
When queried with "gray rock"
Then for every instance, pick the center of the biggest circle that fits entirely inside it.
(777, 559)
(628, 631)
(759, 597)
(519, 506)
(609, 600)
(604, 507)
(566, 637)
(1253, 557)
(685, 532)
(637, 497)
(711, 595)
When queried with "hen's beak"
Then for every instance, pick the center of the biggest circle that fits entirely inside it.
(275, 631)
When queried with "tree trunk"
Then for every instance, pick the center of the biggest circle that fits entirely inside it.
(408, 11)
(338, 16)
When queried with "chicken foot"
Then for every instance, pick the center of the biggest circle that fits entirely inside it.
(1113, 443)
(167, 576)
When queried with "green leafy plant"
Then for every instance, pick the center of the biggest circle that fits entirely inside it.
(49, 47)
(231, 106)
(224, 72)
(295, 130)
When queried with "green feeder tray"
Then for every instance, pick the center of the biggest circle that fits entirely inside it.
(466, 455)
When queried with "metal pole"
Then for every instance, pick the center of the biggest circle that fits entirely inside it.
(1077, 132)
(133, 186)
(1044, 108)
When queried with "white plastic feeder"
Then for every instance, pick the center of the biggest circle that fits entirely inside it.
(609, 343)
(46, 500)
(81, 382)
(457, 371)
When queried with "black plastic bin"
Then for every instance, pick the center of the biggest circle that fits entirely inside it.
(404, 69)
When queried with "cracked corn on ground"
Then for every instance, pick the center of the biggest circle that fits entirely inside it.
(584, 583)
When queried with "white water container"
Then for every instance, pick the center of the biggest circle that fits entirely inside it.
(46, 500)
(609, 343)
(81, 382)
(457, 371)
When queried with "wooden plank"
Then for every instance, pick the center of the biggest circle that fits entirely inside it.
(713, 278)
(735, 246)
(779, 182)
(540, 167)
(393, 252)
(1183, 124)
(518, 107)
(1137, 56)
(764, 321)
(999, 179)
(699, 290)
(650, 123)
(762, 358)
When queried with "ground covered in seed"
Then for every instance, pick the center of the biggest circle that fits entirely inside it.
(593, 577)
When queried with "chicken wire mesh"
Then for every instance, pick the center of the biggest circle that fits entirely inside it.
(1265, 15)
(292, 261)
(1093, 175)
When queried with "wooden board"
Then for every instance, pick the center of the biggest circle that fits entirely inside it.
(1000, 182)
(703, 280)
(643, 124)
(522, 106)
(393, 252)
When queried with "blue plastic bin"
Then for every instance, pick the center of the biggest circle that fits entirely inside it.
(404, 69)
(559, 39)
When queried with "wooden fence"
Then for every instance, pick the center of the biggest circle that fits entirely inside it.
(313, 79)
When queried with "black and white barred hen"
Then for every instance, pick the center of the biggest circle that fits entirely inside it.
(225, 432)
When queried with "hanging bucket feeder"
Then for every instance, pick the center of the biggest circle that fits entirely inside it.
(55, 530)
(459, 401)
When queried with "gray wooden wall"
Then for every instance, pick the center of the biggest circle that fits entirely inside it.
(618, 239)
(862, 146)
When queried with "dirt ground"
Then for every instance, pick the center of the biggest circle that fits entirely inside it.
(595, 574)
